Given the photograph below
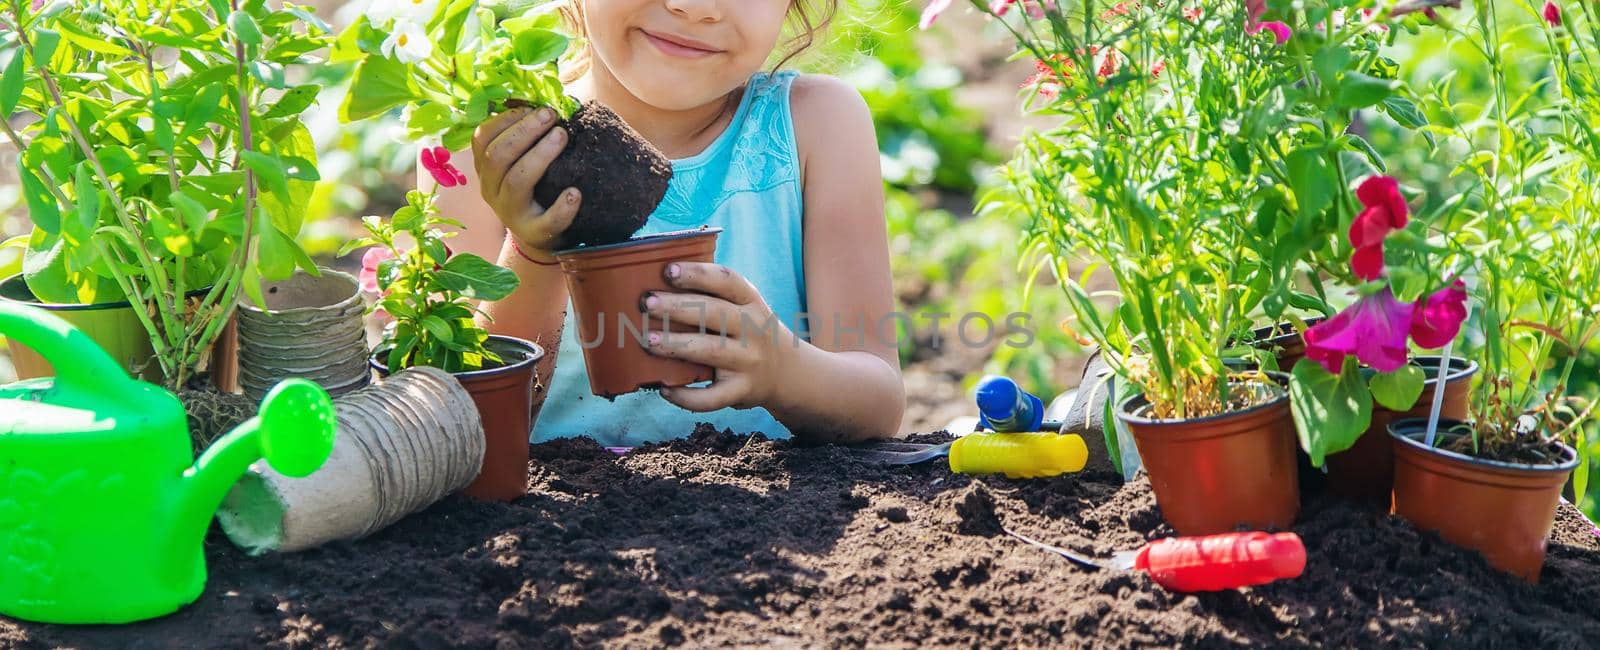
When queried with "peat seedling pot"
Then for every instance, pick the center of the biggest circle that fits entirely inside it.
(1364, 473)
(1216, 474)
(504, 397)
(112, 325)
(1501, 510)
(606, 284)
(403, 444)
(311, 328)
(103, 514)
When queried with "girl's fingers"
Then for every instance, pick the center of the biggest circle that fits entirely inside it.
(714, 279)
(713, 350)
(721, 394)
(511, 144)
(488, 131)
(557, 218)
(529, 167)
(697, 310)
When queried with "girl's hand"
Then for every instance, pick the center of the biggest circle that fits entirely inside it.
(748, 354)
(511, 152)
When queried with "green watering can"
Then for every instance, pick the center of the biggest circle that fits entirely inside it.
(101, 515)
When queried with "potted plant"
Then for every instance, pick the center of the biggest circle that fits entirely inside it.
(1528, 224)
(1154, 176)
(164, 164)
(449, 64)
(431, 295)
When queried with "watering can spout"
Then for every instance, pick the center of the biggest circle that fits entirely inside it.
(294, 432)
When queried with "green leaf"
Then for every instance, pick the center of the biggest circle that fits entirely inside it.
(269, 73)
(439, 329)
(406, 218)
(1308, 176)
(294, 102)
(11, 81)
(476, 277)
(380, 84)
(88, 198)
(1398, 391)
(268, 169)
(194, 214)
(244, 28)
(273, 255)
(428, 119)
(42, 207)
(1330, 411)
(536, 47)
(1358, 90)
(45, 41)
(1405, 112)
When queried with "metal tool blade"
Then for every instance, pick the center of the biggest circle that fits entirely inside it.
(1080, 560)
(900, 453)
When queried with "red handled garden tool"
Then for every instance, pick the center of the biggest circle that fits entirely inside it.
(1211, 563)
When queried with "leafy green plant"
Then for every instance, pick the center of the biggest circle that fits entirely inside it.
(1530, 224)
(452, 63)
(428, 290)
(1203, 160)
(163, 153)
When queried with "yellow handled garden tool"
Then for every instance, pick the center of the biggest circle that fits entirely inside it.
(1016, 455)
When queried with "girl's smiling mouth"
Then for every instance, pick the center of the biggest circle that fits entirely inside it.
(679, 46)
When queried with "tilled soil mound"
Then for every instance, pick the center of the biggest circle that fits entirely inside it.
(726, 540)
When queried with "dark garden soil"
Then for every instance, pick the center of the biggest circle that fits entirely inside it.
(724, 540)
(621, 177)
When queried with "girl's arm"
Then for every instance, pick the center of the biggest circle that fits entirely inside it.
(510, 153)
(847, 381)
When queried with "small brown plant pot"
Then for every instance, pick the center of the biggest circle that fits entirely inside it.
(606, 284)
(504, 396)
(1285, 341)
(1221, 473)
(1364, 473)
(1501, 510)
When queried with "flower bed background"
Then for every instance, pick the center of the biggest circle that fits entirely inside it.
(945, 102)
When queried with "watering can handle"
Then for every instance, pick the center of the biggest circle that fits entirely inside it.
(77, 359)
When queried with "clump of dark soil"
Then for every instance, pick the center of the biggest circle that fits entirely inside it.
(622, 177)
(723, 540)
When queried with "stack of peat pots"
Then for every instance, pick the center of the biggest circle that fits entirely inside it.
(311, 328)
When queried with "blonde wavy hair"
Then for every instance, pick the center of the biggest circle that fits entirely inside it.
(807, 19)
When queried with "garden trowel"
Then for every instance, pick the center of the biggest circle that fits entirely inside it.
(1211, 563)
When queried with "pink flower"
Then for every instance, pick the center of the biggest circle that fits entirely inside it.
(1254, 10)
(1439, 316)
(437, 161)
(1386, 211)
(369, 267)
(932, 11)
(1552, 13)
(1374, 330)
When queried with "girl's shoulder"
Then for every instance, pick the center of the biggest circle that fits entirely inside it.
(830, 118)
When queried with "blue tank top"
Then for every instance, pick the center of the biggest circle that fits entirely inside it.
(748, 183)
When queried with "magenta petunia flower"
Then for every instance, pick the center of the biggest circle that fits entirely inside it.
(1386, 211)
(1552, 13)
(1374, 330)
(1439, 316)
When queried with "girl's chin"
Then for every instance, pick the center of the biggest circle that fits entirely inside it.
(668, 92)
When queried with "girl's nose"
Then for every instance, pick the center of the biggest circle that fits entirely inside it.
(700, 11)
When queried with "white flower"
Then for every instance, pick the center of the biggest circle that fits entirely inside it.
(381, 12)
(407, 43)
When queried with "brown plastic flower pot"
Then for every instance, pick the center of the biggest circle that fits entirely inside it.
(504, 396)
(606, 284)
(1220, 473)
(1501, 510)
(1364, 473)
(1285, 340)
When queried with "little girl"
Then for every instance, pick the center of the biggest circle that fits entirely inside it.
(786, 164)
